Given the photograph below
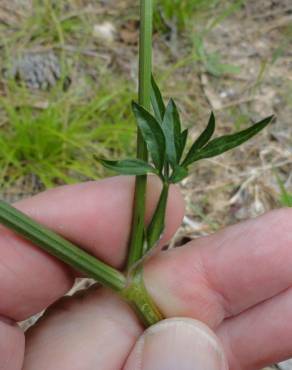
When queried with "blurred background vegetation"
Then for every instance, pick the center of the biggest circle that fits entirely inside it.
(69, 73)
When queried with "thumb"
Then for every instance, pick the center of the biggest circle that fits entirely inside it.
(178, 343)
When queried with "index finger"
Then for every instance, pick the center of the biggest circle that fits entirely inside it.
(224, 274)
(94, 215)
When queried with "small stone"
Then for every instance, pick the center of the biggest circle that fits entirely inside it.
(37, 71)
(105, 32)
(286, 365)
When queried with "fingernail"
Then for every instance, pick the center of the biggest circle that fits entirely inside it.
(174, 344)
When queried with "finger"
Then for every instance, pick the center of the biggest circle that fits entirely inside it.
(172, 344)
(96, 215)
(11, 345)
(224, 274)
(261, 335)
(90, 331)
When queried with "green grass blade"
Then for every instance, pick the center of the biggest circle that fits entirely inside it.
(285, 196)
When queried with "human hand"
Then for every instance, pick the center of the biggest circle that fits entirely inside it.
(237, 282)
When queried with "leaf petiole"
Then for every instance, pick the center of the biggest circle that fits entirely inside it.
(61, 248)
(157, 224)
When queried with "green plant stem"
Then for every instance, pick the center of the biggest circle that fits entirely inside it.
(137, 296)
(145, 69)
(61, 248)
(131, 289)
(157, 224)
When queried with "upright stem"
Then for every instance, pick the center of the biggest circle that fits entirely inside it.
(145, 69)
(145, 53)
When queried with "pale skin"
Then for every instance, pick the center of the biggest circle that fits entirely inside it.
(237, 282)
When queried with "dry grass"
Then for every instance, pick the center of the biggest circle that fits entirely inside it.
(243, 184)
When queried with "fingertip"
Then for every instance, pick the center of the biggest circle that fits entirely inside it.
(177, 343)
(97, 215)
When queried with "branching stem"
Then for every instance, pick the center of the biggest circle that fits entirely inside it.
(133, 289)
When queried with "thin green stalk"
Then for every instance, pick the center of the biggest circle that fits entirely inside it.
(157, 224)
(145, 53)
(138, 297)
(131, 289)
(61, 248)
(145, 69)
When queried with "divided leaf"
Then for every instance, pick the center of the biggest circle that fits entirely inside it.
(157, 101)
(152, 134)
(227, 142)
(183, 143)
(179, 173)
(171, 127)
(129, 166)
(202, 140)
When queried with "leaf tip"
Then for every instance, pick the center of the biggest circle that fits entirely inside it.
(271, 118)
(134, 104)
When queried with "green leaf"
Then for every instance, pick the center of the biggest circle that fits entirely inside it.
(183, 143)
(171, 127)
(157, 101)
(129, 166)
(152, 134)
(202, 139)
(179, 173)
(227, 142)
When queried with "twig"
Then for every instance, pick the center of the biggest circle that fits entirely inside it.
(281, 22)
